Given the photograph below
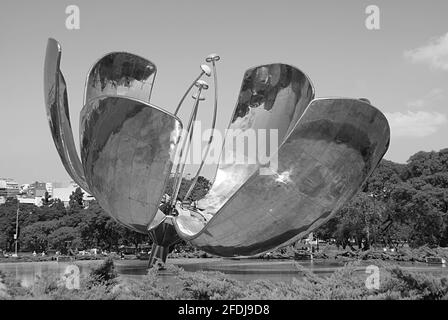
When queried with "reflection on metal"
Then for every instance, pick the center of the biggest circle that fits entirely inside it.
(123, 74)
(272, 97)
(126, 150)
(56, 103)
(326, 149)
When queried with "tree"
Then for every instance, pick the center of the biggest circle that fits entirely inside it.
(76, 202)
(64, 238)
(129, 237)
(46, 200)
(54, 209)
(36, 235)
(8, 212)
(98, 229)
(411, 198)
(199, 191)
(360, 219)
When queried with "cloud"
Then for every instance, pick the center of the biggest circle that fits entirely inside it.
(429, 99)
(416, 124)
(419, 103)
(435, 53)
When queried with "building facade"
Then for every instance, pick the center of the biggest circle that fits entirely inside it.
(9, 188)
(36, 189)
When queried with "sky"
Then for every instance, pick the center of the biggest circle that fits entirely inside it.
(402, 67)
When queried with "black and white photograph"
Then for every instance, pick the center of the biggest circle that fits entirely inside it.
(246, 151)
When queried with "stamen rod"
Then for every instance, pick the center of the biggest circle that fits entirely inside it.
(186, 93)
(204, 70)
(181, 164)
(205, 154)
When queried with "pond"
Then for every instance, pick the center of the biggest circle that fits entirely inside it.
(239, 269)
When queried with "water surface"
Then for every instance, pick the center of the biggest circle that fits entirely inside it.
(240, 269)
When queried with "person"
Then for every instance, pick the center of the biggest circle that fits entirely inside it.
(34, 253)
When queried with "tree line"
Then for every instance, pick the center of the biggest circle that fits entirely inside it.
(399, 204)
(53, 226)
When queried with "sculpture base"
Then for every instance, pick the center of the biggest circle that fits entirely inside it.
(158, 256)
(164, 237)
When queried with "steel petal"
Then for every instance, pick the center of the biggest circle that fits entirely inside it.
(323, 162)
(56, 103)
(127, 147)
(121, 74)
(272, 96)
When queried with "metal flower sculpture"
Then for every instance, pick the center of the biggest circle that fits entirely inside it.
(327, 148)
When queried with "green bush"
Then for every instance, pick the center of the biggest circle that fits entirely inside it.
(151, 287)
(209, 286)
(418, 286)
(103, 275)
(12, 288)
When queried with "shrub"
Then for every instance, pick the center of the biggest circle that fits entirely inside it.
(151, 287)
(420, 286)
(12, 288)
(209, 286)
(103, 275)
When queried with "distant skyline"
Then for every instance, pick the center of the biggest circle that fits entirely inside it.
(402, 68)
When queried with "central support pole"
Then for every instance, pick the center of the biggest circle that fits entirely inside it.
(158, 255)
(164, 237)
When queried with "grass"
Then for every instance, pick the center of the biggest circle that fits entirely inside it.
(347, 283)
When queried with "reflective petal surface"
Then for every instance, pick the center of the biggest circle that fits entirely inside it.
(127, 147)
(322, 163)
(56, 103)
(272, 96)
(121, 74)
